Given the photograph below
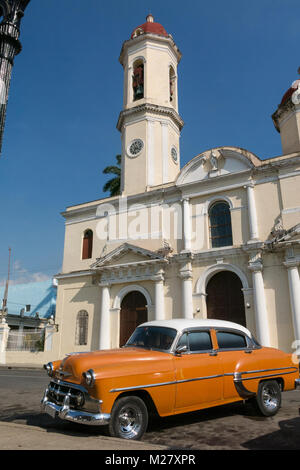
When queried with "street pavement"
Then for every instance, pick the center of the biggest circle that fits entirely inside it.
(229, 427)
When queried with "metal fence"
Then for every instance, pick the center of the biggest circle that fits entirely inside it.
(26, 340)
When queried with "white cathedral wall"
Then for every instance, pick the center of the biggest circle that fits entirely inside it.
(75, 294)
(278, 301)
(273, 198)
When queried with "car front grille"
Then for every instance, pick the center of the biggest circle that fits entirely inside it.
(57, 392)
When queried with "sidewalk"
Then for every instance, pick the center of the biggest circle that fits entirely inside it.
(22, 366)
(22, 437)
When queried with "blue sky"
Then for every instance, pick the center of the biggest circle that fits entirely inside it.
(239, 58)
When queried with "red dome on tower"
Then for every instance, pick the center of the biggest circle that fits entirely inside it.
(149, 27)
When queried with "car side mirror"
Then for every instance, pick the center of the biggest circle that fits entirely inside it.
(180, 350)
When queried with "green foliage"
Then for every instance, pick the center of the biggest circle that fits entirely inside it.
(114, 184)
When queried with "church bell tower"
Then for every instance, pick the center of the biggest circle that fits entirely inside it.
(149, 123)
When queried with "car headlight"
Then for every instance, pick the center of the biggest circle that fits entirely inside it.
(89, 377)
(49, 368)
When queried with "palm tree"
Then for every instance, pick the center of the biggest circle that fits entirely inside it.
(114, 184)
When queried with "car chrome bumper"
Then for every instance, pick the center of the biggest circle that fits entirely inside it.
(297, 383)
(76, 416)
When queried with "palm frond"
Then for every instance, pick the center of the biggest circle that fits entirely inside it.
(114, 184)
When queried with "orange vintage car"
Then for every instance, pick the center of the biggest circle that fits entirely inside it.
(168, 367)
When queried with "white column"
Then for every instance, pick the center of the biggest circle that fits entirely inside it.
(123, 159)
(187, 291)
(187, 229)
(159, 298)
(261, 314)
(129, 94)
(294, 288)
(150, 153)
(165, 151)
(4, 330)
(104, 342)
(50, 329)
(252, 214)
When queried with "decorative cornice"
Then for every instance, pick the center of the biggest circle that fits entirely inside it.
(153, 109)
(168, 41)
(215, 254)
(88, 272)
(292, 262)
(131, 273)
(183, 257)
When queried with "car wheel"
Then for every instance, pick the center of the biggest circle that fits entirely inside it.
(268, 398)
(129, 418)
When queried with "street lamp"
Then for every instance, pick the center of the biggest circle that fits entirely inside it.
(12, 12)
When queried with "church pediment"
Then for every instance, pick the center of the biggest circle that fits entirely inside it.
(217, 162)
(126, 255)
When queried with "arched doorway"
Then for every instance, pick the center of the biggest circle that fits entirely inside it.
(225, 299)
(133, 312)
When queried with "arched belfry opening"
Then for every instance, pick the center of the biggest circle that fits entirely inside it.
(172, 82)
(225, 299)
(138, 80)
(133, 312)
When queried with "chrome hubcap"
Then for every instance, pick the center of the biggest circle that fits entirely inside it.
(130, 420)
(269, 397)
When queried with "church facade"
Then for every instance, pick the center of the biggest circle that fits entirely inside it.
(218, 238)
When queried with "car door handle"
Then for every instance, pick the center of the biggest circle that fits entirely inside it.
(213, 353)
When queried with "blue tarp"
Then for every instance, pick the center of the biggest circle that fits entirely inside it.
(41, 296)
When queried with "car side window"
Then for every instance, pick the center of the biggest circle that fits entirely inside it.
(199, 341)
(229, 340)
(196, 341)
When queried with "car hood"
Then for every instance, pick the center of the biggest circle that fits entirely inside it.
(111, 362)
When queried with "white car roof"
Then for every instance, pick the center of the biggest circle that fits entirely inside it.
(181, 324)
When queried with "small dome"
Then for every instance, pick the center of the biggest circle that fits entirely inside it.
(291, 90)
(149, 27)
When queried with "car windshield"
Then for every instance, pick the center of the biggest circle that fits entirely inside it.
(152, 337)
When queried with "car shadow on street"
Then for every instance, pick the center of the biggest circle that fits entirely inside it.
(156, 424)
(286, 438)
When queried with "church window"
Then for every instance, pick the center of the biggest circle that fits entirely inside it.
(138, 80)
(220, 225)
(87, 246)
(82, 328)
